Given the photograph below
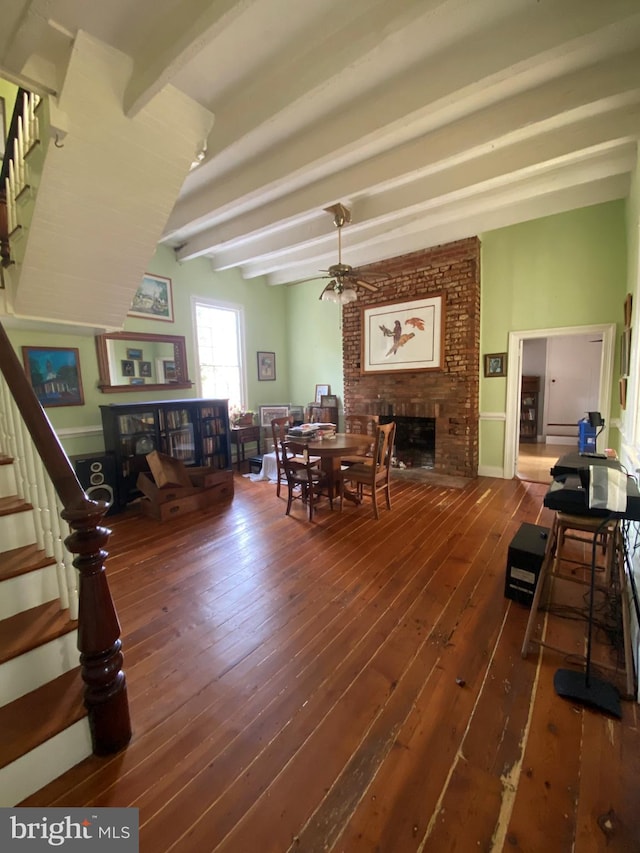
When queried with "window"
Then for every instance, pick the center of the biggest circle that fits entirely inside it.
(219, 338)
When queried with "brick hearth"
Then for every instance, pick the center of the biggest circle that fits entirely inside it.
(448, 394)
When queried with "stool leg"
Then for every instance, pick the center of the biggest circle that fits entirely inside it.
(547, 561)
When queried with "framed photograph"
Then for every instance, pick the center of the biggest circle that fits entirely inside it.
(268, 413)
(628, 305)
(168, 373)
(495, 364)
(134, 353)
(3, 128)
(625, 352)
(144, 368)
(328, 400)
(266, 367)
(321, 391)
(622, 384)
(403, 336)
(54, 375)
(153, 300)
(127, 367)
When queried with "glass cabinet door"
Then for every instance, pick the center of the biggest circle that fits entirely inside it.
(213, 429)
(177, 434)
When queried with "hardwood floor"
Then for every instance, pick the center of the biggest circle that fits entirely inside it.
(351, 685)
(536, 458)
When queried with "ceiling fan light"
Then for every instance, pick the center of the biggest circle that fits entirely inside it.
(329, 296)
(348, 295)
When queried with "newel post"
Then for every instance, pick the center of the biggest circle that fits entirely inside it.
(105, 694)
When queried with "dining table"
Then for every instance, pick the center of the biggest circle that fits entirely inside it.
(331, 450)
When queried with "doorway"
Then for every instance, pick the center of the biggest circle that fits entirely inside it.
(516, 340)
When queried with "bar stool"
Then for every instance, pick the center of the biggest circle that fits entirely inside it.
(566, 528)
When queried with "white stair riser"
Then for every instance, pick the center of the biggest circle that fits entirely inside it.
(33, 669)
(17, 530)
(7, 481)
(42, 765)
(29, 590)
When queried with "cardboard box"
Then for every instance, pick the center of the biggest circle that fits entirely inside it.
(208, 486)
(167, 471)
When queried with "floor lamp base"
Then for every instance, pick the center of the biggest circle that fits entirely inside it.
(593, 692)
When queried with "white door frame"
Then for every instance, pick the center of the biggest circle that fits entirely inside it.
(514, 380)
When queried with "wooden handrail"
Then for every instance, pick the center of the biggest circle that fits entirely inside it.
(98, 627)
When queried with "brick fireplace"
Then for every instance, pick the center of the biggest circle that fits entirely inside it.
(448, 394)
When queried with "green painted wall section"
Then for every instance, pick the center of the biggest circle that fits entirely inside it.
(563, 270)
(315, 342)
(8, 92)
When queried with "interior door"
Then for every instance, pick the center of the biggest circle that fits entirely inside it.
(573, 381)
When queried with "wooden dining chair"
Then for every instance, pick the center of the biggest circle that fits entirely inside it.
(306, 481)
(367, 480)
(362, 425)
(279, 430)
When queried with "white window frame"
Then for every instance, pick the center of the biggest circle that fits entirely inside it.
(228, 306)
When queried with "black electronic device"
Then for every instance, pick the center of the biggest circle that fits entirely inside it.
(96, 473)
(524, 561)
(570, 493)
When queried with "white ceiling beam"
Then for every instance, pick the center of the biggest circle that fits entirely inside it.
(483, 217)
(295, 163)
(521, 119)
(369, 244)
(185, 36)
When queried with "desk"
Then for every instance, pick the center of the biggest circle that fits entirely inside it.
(331, 450)
(242, 435)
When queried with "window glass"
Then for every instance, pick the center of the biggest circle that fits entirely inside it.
(218, 333)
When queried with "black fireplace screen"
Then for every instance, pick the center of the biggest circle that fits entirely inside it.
(415, 444)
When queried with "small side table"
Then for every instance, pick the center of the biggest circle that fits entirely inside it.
(243, 435)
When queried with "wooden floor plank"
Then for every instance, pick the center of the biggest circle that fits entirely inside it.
(349, 685)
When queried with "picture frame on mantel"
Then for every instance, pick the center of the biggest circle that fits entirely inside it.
(403, 336)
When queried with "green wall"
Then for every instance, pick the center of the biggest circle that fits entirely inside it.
(563, 270)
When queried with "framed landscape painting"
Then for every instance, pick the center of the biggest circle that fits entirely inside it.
(268, 413)
(54, 375)
(403, 336)
(153, 300)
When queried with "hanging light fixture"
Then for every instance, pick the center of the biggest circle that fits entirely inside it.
(336, 292)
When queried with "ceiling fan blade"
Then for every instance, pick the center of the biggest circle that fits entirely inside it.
(311, 278)
(368, 285)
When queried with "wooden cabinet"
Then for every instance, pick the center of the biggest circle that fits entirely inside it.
(323, 414)
(529, 404)
(194, 431)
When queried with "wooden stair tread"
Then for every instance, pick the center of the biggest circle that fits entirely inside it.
(33, 628)
(6, 460)
(12, 504)
(19, 561)
(35, 717)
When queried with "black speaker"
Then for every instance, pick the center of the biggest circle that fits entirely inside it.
(524, 561)
(97, 476)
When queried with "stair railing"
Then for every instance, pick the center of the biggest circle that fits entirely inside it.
(48, 481)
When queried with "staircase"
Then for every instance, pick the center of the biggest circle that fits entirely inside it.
(42, 714)
(62, 688)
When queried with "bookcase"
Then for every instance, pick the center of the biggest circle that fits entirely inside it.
(529, 396)
(323, 414)
(194, 431)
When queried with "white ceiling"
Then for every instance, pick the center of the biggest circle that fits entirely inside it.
(433, 120)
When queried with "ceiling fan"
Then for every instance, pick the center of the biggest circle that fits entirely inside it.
(344, 279)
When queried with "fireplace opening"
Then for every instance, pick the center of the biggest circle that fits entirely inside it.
(415, 443)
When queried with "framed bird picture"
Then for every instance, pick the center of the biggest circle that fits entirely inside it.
(403, 336)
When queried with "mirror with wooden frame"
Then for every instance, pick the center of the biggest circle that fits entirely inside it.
(137, 361)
